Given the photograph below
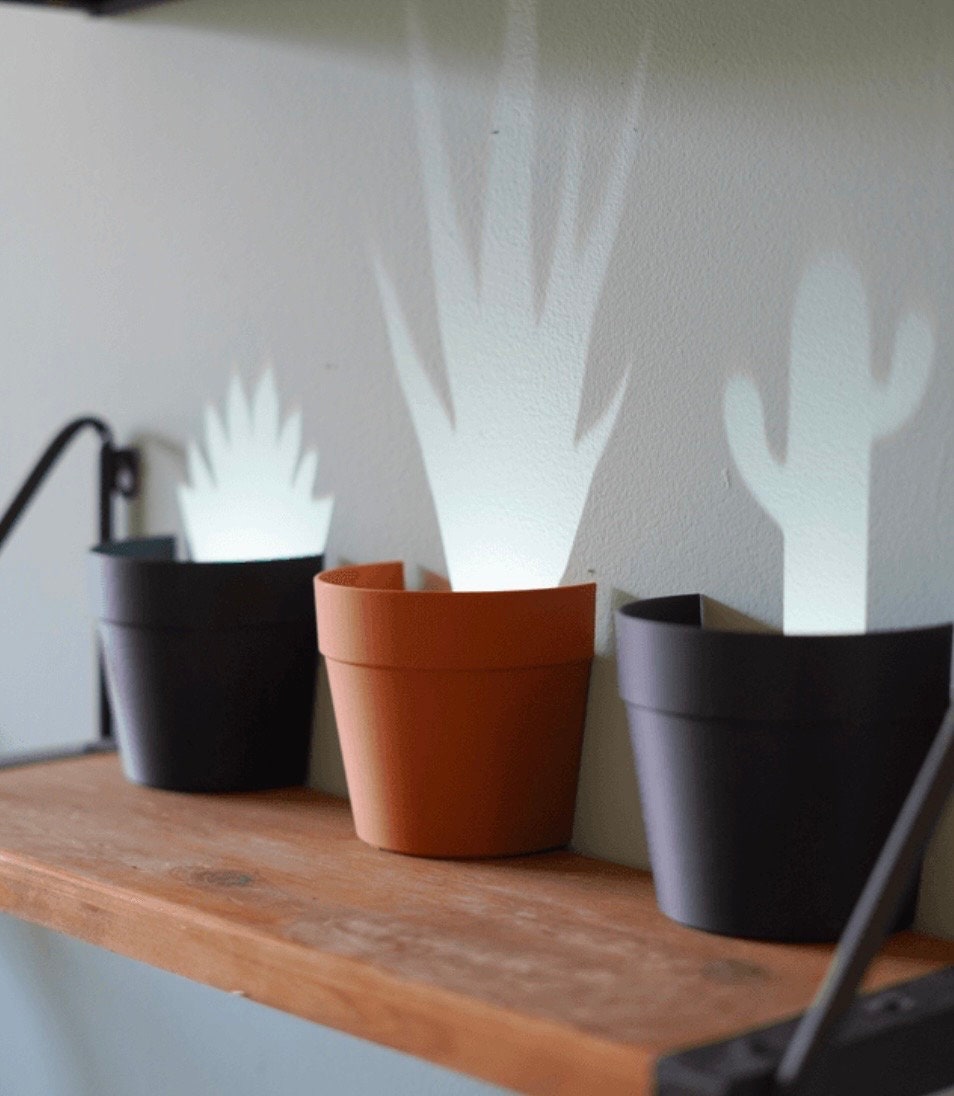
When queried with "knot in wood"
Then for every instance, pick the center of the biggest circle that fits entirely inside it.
(219, 877)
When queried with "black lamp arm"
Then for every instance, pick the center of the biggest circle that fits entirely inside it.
(119, 474)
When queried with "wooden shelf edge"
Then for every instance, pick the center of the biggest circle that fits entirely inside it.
(551, 974)
(215, 952)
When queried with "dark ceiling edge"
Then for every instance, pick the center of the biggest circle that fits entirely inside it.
(94, 7)
(115, 7)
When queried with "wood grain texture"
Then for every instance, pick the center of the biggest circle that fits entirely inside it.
(546, 974)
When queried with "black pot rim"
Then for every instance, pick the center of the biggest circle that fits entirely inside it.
(139, 582)
(669, 660)
(662, 611)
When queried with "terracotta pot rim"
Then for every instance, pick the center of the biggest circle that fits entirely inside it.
(367, 618)
(334, 576)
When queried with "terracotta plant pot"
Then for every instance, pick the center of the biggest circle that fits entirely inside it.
(210, 667)
(460, 714)
(772, 767)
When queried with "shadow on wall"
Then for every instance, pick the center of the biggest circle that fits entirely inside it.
(467, 34)
(163, 462)
(608, 783)
(375, 29)
(704, 43)
(819, 496)
(508, 467)
(326, 766)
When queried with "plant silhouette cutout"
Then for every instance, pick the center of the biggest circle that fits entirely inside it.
(819, 495)
(251, 494)
(508, 474)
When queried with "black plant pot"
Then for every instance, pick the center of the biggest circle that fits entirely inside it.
(210, 667)
(772, 767)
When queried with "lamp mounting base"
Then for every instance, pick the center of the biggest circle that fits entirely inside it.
(896, 1042)
(122, 471)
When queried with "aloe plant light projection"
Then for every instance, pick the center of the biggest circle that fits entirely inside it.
(508, 474)
(819, 495)
(251, 495)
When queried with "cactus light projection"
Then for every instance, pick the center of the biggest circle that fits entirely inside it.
(508, 473)
(251, 494)
(819, 495)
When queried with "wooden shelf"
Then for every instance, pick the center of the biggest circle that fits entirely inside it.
(546, 974)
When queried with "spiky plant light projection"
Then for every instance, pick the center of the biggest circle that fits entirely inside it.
(507, 470)
(251, 493)
(819, 495)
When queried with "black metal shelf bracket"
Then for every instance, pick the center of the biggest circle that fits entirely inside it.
(899, 1042)
(119, 476)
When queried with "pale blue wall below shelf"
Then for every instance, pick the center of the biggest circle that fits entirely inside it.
(79, 1021)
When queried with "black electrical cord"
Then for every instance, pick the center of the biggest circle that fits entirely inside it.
(42, 469)
(118, 474)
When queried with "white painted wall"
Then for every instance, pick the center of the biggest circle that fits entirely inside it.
(189, 188)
